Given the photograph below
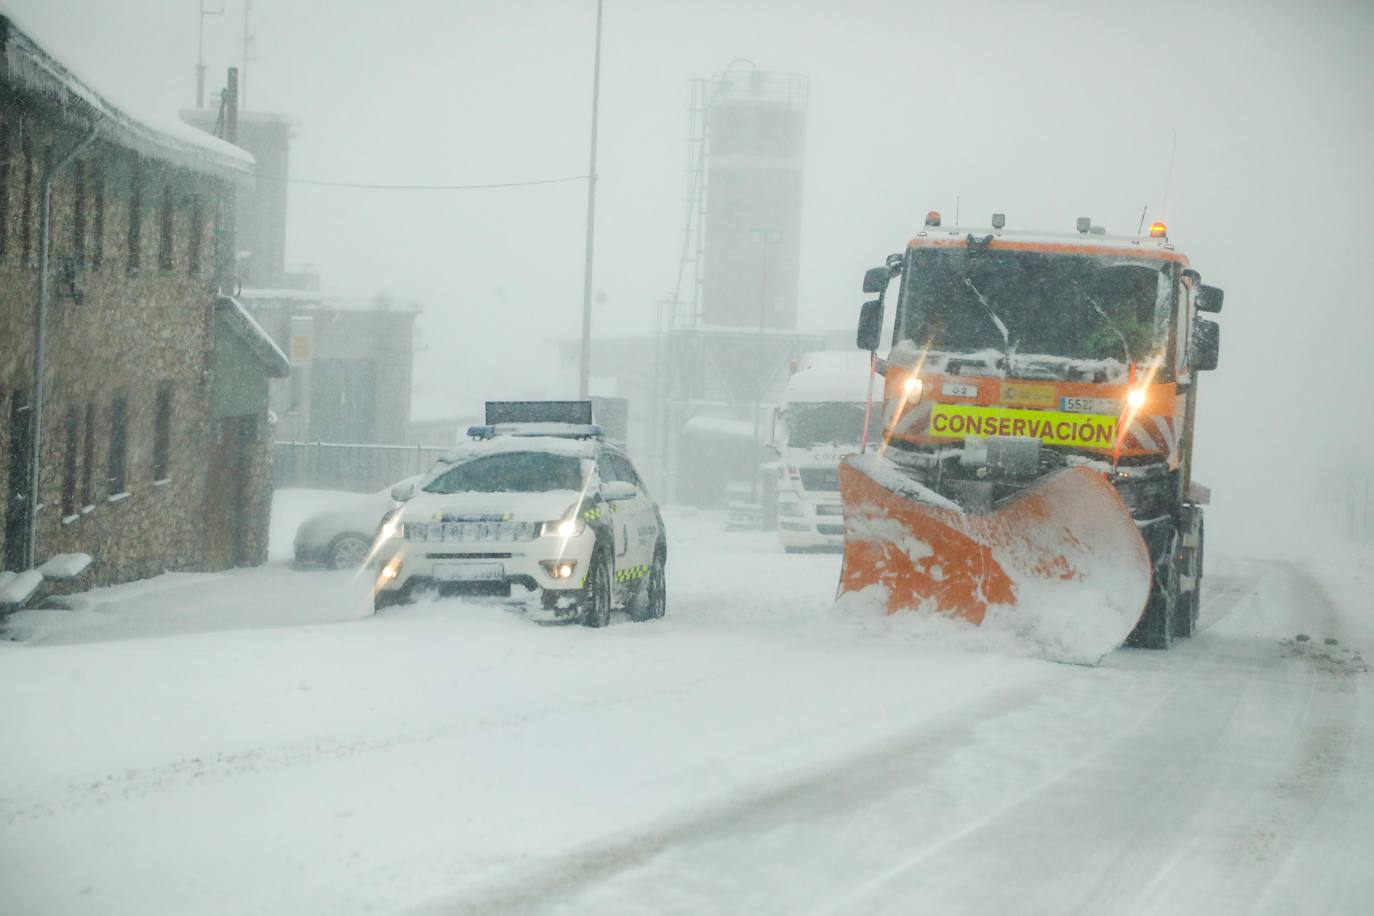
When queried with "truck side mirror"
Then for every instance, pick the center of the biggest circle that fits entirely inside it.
(403, 491)
(875, 279)
(870, 325)
(1209, 298)
(1206, 343)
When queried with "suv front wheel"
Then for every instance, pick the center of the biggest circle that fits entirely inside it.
(596, 599)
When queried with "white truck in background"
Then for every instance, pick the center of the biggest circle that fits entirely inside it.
(820, 421)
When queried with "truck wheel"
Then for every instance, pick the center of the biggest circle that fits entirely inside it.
(652, 601)
(596, 601)
(1156, 627)
(1190, 602)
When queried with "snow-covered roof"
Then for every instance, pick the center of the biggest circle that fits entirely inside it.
(26, 64)
(1136, 246)
(252, 334)
(554, 445)
(829, 375)
(260, 297)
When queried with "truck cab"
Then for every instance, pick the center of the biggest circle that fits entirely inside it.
(819, 422)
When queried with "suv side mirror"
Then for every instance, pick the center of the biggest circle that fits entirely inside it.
(1206, 343)
(870, 334)
(403, 491)
(614, 490)
(875, 279)
(1209, 298)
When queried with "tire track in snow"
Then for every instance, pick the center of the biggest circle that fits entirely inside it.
(223, 766)
(1210, 818)
(1139, 850)
(525, 889)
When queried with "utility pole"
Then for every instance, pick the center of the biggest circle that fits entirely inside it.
(248, 38)
(585, 365)
(200, 52)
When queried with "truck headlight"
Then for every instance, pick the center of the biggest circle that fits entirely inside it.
(562, 528)
(559, 569)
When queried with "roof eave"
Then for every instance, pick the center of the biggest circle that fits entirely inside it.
(24, 63)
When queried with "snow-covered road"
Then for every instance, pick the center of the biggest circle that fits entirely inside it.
(257, 742)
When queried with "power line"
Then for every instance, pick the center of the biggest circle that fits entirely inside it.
(422, 187)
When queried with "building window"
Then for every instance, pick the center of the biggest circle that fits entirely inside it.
(164, 243)
(119, 444)
(88, 459)
(162, 432)
(69, 463)
(97, 218)
(79, 212)
(135, 218)
(197, 235)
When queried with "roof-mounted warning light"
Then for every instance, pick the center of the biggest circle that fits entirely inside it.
(1158, 231)
(933, 218)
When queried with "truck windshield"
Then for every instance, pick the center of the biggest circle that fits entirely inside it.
(823, 424)
(511, 472)
(1063, 305)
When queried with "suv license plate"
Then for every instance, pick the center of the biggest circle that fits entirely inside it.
(469, 572)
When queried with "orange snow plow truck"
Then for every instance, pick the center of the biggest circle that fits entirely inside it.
(1031, 457)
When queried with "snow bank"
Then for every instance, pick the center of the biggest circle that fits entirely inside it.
(65, 565)
(20, 587)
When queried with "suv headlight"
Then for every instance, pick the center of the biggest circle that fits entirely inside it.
(562, 528)
(391, 525)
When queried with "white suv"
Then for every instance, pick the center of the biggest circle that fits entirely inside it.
(545, 515)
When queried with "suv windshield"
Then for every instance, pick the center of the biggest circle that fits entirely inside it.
(824, 424)
(511, 472)
(1051, 304)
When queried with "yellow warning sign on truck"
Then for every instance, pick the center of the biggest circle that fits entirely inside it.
(955, 421)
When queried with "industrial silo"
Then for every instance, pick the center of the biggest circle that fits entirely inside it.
(755, 131)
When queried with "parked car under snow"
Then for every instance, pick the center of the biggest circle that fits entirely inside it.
(341, 538)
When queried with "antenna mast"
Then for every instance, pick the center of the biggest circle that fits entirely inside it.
(247, 42)
(200, 52)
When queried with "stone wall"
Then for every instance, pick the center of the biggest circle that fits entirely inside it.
(144, 318)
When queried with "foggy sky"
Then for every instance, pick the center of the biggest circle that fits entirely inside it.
(1046, 111)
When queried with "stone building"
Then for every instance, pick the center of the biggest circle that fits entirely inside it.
(152, 428)
(260, 219)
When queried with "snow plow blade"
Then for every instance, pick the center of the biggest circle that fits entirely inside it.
(1063, 561)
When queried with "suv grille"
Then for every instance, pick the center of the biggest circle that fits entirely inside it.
(821, 480)
(478, 532)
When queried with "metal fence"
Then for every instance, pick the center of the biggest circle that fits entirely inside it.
(342, 466)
